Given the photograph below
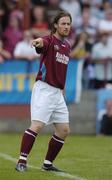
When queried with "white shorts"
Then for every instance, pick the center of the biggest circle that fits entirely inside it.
(48, 104)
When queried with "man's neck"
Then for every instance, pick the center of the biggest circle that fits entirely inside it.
(61, 38)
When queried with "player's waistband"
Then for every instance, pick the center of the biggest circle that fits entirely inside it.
(48, 85)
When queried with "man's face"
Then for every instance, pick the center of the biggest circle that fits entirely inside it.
(63, 26)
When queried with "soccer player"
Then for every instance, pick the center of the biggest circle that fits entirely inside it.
(47, 101)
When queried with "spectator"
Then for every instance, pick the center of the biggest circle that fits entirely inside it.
(81, 51)
(15, 10)
(96, 9)
(87, 24)
(52, 10)
(40, 25)
(106, 24)
(12, 34)
(8, 8)
(3, 53)
(110, 2)
(40, 2)
(93, 2)
(73, 7)
(102, 56)
(4, 12)
(106, 5)
(83, 2)
(23, 49)
(106, 121)
(81, 47)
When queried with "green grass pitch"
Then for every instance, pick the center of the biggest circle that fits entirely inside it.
(84, 157)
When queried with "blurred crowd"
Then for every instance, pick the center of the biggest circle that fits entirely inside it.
(90, 37)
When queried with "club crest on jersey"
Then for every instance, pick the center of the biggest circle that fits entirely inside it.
(56, 47)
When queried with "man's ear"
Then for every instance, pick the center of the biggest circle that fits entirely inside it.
(55, 25)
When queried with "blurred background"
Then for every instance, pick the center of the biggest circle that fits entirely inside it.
(88, 89)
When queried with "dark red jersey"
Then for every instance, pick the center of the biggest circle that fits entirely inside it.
(55, 57)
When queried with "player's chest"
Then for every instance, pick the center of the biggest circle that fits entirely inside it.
(61, 54)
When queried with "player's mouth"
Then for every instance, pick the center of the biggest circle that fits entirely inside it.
(66, 31)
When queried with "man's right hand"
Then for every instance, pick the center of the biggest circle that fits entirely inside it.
(38, 42)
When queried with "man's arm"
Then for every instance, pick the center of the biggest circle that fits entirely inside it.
(41, 44)
(38, 43)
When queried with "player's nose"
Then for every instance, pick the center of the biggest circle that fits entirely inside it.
(67, 26)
